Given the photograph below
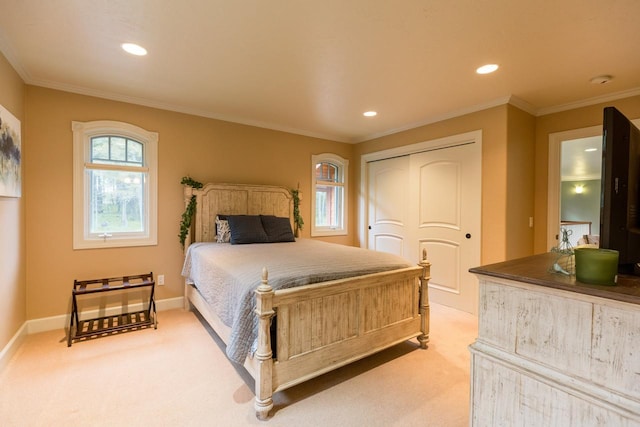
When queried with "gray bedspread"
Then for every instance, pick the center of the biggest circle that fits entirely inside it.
(226, 276)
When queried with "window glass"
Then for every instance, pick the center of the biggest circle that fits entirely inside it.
(328, 212)
(134, 152)
(327, 172)
(117, 202)
(118, 149)
(100, 148)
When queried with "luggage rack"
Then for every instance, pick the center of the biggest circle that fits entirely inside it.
(109, 325)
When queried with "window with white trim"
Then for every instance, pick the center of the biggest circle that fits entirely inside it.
(329, 188)
(115, 177)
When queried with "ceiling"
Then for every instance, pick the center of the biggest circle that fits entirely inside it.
(578, 164)
(313, 68)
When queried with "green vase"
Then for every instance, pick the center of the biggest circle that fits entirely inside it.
(596, 266)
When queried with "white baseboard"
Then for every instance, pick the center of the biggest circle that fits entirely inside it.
(62, 321)
(12, 346)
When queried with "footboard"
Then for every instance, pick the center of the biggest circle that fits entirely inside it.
(324, 326)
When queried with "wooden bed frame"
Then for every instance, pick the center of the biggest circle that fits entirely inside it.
(319, 327)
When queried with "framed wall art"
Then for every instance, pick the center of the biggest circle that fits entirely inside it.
(10, 155)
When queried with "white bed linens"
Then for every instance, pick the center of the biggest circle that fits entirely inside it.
(226, 276)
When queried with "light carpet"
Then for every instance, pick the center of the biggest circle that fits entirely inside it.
(178, 375)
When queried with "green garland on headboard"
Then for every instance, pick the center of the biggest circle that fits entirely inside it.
(187, 215)
(297, 218)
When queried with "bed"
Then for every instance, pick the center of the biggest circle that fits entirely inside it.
(297, 333)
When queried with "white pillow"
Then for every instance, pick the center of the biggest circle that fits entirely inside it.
(223, 232)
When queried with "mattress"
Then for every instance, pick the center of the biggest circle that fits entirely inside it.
(226, 276)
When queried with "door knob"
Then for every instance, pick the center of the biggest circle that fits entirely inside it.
(468, 236)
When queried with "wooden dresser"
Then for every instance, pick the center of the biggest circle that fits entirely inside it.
(552, 351)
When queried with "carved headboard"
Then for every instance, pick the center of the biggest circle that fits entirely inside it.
(234, 199)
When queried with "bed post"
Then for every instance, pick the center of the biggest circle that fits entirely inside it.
(264, 310)
(424, 300)
(188, 193)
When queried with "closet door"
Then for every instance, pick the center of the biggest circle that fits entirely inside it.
(388, 202)
(444, 218)
(431, 200)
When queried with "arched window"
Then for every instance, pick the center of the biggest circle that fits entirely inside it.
(329, 186)
(115, 185)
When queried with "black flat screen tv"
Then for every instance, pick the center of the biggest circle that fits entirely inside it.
(619, 219)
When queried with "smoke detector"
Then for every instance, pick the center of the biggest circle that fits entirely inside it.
(600, 80)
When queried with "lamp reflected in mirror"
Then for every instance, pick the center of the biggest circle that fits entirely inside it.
(579, 188)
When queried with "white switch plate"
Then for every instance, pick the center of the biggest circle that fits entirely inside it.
(160, 279)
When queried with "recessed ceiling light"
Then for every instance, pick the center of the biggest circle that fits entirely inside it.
(370, 114)
(590, 149)
(134, 49)
(486, 69)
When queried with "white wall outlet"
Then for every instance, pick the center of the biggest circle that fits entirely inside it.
(160, 279)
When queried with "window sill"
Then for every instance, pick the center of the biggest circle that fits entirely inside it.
(328, 233)
(113, 243)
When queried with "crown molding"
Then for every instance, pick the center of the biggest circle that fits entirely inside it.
(179, 109)
(438, 118)
(588, 102)
(523, 105)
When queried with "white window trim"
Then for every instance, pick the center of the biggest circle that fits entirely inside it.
(82, 134)
(344, 166)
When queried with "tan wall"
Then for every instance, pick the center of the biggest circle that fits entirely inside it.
(208, 150)
(560, 122)
(520, 182)
(493, 123)
(12, 224)
(212, 150)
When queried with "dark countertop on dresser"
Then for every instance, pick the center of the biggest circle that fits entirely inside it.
(534, 270)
